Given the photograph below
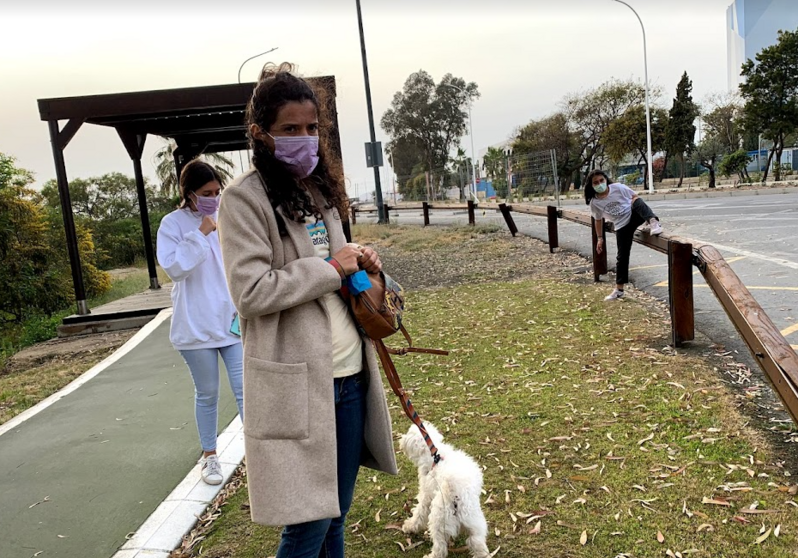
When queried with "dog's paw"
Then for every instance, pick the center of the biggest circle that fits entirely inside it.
(410, 526)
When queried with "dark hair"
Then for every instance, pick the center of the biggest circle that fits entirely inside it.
(276, 87)
(590, 193)
(196, 174)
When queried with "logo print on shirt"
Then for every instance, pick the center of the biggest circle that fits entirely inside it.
(318, 234)
(614, 208)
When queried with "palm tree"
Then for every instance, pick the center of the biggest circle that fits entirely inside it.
(167, 175)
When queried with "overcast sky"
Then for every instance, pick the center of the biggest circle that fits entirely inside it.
(524, 55)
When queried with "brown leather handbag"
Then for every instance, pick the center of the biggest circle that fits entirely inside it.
(378, 314)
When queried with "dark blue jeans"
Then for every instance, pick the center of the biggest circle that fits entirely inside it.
(641, 213)
(325, 538)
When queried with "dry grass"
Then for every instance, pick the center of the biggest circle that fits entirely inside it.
(596, 439)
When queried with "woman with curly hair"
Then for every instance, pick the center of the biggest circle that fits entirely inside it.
(314, 404)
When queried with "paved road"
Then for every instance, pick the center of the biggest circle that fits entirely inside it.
(105, 456)
(757, 234)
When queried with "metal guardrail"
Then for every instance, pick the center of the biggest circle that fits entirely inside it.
(768, 346)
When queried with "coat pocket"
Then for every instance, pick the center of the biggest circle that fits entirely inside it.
(276, 400)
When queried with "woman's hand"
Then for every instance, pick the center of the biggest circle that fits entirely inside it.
(370, 261)
(349, 257)
(599, 246)
(207, 226)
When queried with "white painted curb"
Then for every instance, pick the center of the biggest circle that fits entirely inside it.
(164, 530)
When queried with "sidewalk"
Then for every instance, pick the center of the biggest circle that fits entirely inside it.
(82, 475)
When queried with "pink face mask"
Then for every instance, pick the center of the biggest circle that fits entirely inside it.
(207, 205)
(299, 153)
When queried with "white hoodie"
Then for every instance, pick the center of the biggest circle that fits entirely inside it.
(203, 310)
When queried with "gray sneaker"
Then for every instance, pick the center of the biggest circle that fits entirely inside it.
(211, 470)
(614, 295)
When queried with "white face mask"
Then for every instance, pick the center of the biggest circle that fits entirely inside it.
(601, 187)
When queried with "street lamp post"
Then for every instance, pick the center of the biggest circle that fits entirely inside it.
(648, 112)
(471, 133)
(241, 67)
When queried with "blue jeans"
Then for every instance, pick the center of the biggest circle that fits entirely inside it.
(325, 538)
(204, 367)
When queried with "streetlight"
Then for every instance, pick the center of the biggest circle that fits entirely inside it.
(241, 67)
(471, 133)
(648, 113)
(253, 58)
(373, 149)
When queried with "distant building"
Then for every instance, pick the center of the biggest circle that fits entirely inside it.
(752, 25)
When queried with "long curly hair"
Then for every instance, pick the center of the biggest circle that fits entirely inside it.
(276, 87)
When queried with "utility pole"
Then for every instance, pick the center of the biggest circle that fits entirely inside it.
(374, 149)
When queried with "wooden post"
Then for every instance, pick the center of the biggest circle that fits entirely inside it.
(554, 238)
(680, 288)
(599, 260)
(506, 209)
(353, 209)
(425, 207)
(385, 209)
(471, 217)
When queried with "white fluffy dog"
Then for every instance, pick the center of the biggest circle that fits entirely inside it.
(448, 494)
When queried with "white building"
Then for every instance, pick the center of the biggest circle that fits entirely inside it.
(752, 25)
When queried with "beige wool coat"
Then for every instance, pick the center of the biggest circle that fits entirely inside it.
(276, 284)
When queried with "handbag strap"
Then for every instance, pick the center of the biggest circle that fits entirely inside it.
(407, 405)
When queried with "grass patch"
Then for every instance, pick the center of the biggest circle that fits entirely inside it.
(22, 386)
(22, 390)
(410, 238)
(580, 420)
(35, 329)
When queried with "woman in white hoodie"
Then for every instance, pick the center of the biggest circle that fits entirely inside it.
(204, 324)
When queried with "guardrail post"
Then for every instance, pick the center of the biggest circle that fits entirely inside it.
(353, 209)
(425, 208)
(554, 239)
(385, 209)
(599, 260)
(471, 218)
(506, 209)
(680, 287)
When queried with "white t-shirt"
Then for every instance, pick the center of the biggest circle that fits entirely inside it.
(346, 341)
(616, 207)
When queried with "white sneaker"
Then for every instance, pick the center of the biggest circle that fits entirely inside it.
(614, 295)
(211, 470)
(655, 227)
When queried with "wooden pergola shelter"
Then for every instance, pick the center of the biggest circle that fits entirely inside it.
(199, 119)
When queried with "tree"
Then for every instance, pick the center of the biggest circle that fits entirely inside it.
(628, 135)
(494, 163)
(107, 206)
(590, 114)
(770, 91)
(736, 163)
(708, 152)
(33, 264)
(552, 132)
(680, 131)
(166, 172)
(430, 118)
(721, 120)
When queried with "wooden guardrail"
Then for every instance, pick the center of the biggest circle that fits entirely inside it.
(768, 346)
(424, 207)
